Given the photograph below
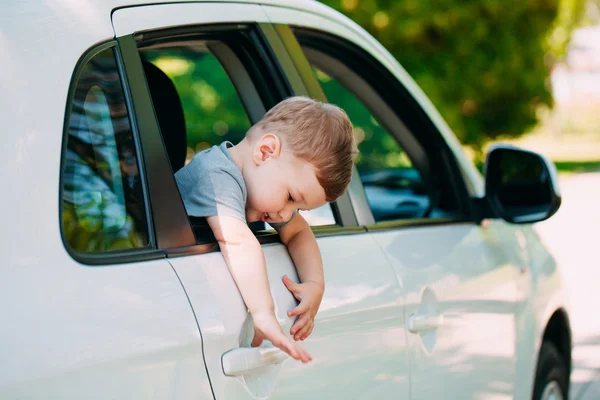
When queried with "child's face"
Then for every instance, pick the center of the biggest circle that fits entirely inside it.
(279, 183)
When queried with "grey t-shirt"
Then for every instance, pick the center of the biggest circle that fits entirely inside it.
(211, 184)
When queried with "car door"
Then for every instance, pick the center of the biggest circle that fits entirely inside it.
(459, 274)
(225, 65)
(92, 309)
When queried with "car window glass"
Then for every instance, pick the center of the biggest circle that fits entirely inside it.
(393, 186)
(212, 109)
(102, 198)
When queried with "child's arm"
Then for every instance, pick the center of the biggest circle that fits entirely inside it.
(245, 259)
(304, 250)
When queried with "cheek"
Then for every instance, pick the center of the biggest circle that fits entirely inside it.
(261, 195)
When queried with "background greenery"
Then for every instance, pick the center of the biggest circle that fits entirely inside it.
(485, 64)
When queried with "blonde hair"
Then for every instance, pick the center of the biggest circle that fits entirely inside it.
(320, 134)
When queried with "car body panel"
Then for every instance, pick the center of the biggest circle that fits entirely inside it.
(358, 341)
(76, 331)
(465, 274)
(541, 295)
(71, 330)
(134, 19)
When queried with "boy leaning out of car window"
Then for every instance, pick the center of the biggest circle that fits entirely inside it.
(297, 157)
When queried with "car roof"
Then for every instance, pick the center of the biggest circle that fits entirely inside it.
(33, 7)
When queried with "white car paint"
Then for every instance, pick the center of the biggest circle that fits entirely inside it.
(469, 282)
(359, 342)
(70, 330)
(77, 331)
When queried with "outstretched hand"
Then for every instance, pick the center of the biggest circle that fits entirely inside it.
(267, 327)
(309, 294)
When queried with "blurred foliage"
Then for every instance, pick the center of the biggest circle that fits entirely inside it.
(212, 109)
(591, 16)
(484, 64)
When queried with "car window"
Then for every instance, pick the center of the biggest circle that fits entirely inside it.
(393, 186)
(405, 167)
(103, 205)
(212, 109)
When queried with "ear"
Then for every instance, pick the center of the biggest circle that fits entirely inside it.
(266, 148)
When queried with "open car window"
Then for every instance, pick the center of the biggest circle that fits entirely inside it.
(393, 186)
(203, 95)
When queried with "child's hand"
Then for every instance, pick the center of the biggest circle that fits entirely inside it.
(267, 327)
(309, 294)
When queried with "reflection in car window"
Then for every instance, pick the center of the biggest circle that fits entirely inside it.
(102, 199)
(393, 187)
(212, 109)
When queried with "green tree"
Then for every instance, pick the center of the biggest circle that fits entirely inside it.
(485, 64)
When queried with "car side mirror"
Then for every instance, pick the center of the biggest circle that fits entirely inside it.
(520, 186)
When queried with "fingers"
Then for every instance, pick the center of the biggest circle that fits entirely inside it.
(299, 310)
(256, 341)
(302, 355)
(302, 328)
(299, 324)
(292, 350)
(290, 284)
(295, 351)
(305, 331)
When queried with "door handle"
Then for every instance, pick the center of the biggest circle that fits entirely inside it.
(245, 359)
(422, 323)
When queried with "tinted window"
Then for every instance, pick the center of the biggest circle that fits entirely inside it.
(102, 199)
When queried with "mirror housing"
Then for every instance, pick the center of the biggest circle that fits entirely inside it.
(521, 186)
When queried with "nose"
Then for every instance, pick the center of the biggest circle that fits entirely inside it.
(286, 213)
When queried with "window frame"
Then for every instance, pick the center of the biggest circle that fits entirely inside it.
(150, 252)
(365, 65)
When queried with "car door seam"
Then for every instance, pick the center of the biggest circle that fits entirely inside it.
(198, 325)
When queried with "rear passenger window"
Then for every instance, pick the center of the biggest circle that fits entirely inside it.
(103, 205)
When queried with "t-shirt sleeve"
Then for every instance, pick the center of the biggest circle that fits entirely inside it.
(210, 192)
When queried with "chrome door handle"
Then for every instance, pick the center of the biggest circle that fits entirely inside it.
(243, 360)
(423, 323)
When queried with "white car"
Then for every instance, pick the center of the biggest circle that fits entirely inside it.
(109, 291)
